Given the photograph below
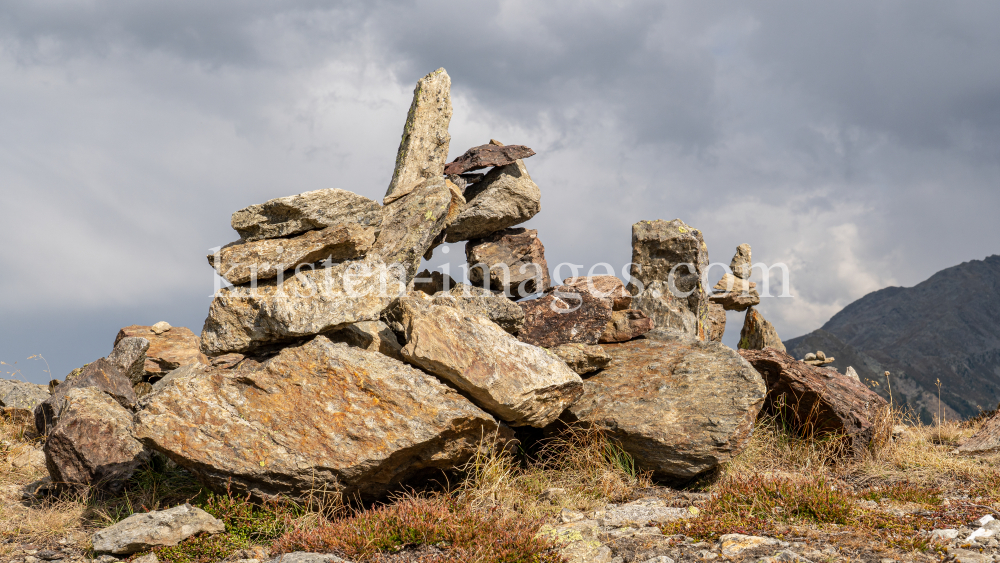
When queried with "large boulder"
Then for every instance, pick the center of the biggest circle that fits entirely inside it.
(287, 216)
(816, 400)
(717, 320)
(626, 325)
(675, 253)
(521, 384)
(512, 259)
(243, 261)
(678, 406)
(505, 197)
(582, 358)
(18, 399)
(485, 156)
(168, 349)
(102, 375)
(316, 417)
(667, 311)
(243, 318)
(423, 150)
(158, 528)
(411, 224)
(563, 315)
(758, 333)
(91, 444)
(129, 356)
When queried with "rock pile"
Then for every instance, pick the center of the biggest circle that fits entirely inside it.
(817, 358)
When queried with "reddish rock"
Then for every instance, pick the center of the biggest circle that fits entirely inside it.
(816, 400)
(516, 262)
(603, 287)
(564, 315)
(167, 351)
(101, 374)
(626, 325)
(488, 155)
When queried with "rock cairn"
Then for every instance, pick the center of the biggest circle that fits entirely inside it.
(332, 364)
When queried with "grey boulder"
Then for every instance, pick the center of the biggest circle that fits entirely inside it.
(18, 399)
(159, 528)
(129, 356)
(505, 197)
(286, 216)
(668, 312)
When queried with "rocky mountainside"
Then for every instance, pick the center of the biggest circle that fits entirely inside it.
(946, 328)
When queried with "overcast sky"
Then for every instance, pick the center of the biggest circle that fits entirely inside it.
(856, 142)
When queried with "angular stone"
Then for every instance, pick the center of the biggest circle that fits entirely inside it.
(319, 416)
(505, 197)
(741, 262)
(626, 325)
(160, 327)
(515, 259)
(735, 294)
(582, 358)
(158, 528)
(167, 351)
(91, 444)
(733, 545)
(717, 320)
(239, 262)
(369, 335)
(411, 224)
(286, 216)
(18, 399)
(485, 156)
(578, 542)
(666, 311)
(432, 282)
(986, 440)
(678, 406)
(758, 333)
(643, 512)
(564, 315)
(672, 252)
(521, 384)
(307, 557)
(423, 149)
(242, 318)
(101, 374)
(190, 370)
(129, 356)
(483, 302)
(604, 287)
(816, 400)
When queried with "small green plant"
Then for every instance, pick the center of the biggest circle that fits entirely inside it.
(905, 492)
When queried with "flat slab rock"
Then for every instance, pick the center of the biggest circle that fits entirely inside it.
(521, 384)
(243, 261)
(168, 349)
(564, 315)
(817, 399)
(641, 513)
(485, 156)
(316, 416)
(485, 303)
(159, 528)
(291, 215)
(18, 399)
(582, 358)
(243, 318)
(678, 406)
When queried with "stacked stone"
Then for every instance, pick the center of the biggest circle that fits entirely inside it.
(818, 358)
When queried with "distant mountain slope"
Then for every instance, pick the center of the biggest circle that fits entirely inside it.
(947, 328)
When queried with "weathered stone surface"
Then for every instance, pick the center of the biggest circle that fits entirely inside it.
(986, 440)
(239, 262)
(816, 400)
(582, 358)
(487, 155)
(190, 370)
(578, 541)
(641, 513)
(18, 399)
(168, 350)
(758, 333)
(306, 557)
(432, 282)
(505, 197)
(564, 315)
(515, 260)
(158, 528)
(242, 318)
(735, 294)
(717, 320)
(626, 325)
(411, 224)
(423, 149)
(316, 416)
(741, 262)
(101, 374)
(519, 383)
(483, 302)
(369, 335)
(678, 406)
(129, 356)
(604, 287)
(90, 444)
(160, 327)
(733, 545)
(672, 252)
(286, 216)
(668, 312)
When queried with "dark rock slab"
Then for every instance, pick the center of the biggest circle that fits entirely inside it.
(564, 315)
(487, 155)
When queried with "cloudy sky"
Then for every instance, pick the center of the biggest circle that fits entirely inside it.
(856, 142)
